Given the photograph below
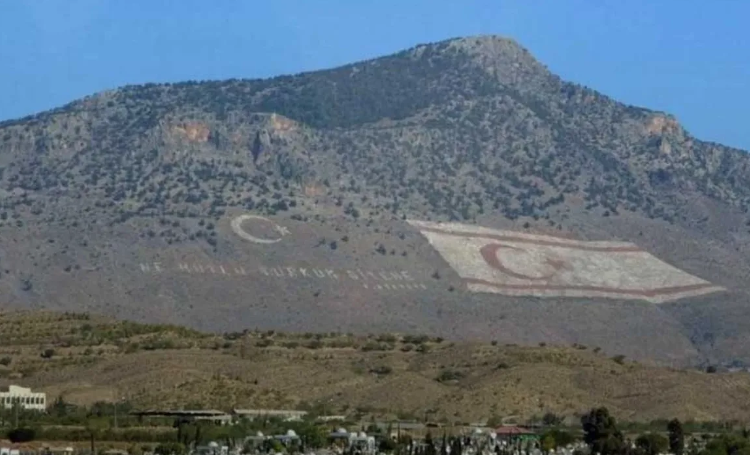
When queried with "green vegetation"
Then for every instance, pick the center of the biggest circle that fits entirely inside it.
(102, 422)
(18, 435)
(652, 443)
(599, 430)
(449, 376)
(676, 437)
(94, 359)
(444, 104)
(601, 434)
(557, 437)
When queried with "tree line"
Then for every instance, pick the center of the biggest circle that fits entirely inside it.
(599, 433)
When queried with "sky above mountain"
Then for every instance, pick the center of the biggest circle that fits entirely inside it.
(688, 58)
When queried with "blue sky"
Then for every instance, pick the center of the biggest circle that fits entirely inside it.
(688, 57)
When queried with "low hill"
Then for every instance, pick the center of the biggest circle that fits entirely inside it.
(86, 359)
(311, 203)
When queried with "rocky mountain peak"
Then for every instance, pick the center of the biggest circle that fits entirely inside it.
(505, 59)
(330, 167)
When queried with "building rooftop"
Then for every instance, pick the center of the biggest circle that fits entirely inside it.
(401, 425)
(181, 412)
(15, 389)
(269, 411)
(511, 430)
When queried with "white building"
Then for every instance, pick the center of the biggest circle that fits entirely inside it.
(286, 415)
(24, 397)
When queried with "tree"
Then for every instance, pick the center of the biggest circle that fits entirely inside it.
(313, 436)
(456, 446)
(169, 448)
(94, 427)
(676, 437)
(17, 435)
(277, 446)
(728, 444)
(651, 443)
(198, 436)
(429, 444)
(561, 438)
(387, 444)
(551, 420)
(181, 425)
(494, 421)
(59, 407)
(600, 432)
(403, 442)
(548, 443)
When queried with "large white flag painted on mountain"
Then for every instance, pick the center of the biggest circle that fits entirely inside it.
(513, 263)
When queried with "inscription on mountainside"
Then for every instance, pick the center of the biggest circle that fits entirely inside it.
(512, 263)
(265, 233)
(392, 280)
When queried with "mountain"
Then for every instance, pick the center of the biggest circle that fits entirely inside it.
(316, 202)
(88, 358)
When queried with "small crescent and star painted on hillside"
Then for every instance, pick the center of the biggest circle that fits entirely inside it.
(238, 229)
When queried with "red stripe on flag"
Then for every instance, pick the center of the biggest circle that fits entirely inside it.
(561, 287)
(508, 238)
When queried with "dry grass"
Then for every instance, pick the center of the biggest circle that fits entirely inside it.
(163, 366)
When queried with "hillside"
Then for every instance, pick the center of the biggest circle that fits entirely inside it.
(138, 203)
(95, 358)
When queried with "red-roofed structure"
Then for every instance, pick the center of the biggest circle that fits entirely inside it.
(514, 432)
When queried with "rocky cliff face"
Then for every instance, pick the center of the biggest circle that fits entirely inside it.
(472, 130)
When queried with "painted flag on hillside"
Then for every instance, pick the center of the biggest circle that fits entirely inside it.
(513, 263)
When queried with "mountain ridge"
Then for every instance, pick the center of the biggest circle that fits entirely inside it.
(471, 130)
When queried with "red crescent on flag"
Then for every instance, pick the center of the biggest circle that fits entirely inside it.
(490, 254)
